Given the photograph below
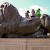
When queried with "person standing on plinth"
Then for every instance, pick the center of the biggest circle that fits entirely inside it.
(32, 13)
(38, 14)
(27, 14)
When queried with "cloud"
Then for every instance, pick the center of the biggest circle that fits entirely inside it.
(35, 7)
(21, 12)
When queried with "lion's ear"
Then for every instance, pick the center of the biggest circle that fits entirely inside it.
(8, 4)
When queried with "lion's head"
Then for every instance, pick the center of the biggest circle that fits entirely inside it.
(9, 12)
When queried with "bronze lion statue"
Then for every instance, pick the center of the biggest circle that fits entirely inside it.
(12, 23)
(45, 21)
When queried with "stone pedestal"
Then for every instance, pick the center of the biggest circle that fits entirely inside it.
(25, 44)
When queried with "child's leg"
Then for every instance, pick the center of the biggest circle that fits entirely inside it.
(30, 19)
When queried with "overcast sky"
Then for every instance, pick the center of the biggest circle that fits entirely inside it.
(24, 5)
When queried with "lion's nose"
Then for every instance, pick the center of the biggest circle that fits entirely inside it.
(2, 6)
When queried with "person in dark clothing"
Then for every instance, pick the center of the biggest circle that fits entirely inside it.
(28, 15)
